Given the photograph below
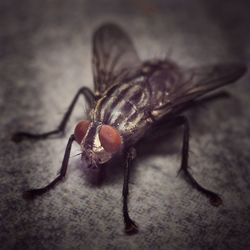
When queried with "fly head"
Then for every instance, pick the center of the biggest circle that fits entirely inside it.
(99, 142)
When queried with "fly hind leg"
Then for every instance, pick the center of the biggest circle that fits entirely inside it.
(19, 136)
(214, 198)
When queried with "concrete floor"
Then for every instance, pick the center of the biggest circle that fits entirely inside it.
(45, 57)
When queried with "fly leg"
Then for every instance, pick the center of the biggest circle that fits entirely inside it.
(130, 226)
(32, 193)
(214, 198)
(90, 97)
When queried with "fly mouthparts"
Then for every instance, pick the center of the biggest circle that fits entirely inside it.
(92, 166)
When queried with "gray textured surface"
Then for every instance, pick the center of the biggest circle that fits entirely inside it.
(44, 59)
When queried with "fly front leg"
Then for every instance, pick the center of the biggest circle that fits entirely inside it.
(130, 225)
(32, 193)
(90, 97)
(214, 198)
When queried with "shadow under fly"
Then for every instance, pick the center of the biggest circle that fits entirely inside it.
(131, 99)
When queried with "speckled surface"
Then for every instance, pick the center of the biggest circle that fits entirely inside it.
(45, 57)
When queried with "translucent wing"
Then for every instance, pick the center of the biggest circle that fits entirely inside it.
(190, 84)
(114, 56)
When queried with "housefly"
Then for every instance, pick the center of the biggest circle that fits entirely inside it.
(131, 97)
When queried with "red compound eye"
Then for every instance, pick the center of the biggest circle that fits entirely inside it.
(80, 130)
(110, 138)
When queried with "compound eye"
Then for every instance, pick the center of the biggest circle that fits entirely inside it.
(81, 130)
(110, 138)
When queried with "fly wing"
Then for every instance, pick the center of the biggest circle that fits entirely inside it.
(114, 56)
(196, 82)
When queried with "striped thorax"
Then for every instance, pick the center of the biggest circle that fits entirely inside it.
(125, 107)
